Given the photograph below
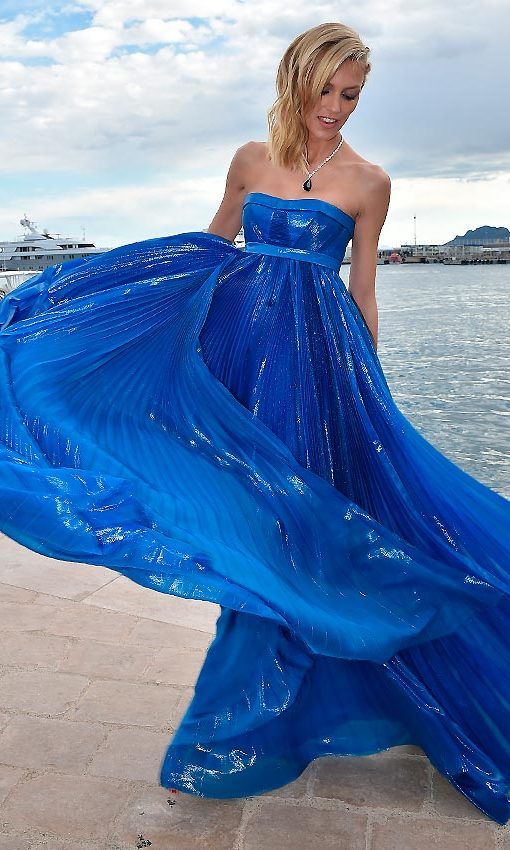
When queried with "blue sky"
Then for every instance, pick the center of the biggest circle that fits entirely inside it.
(122, 117)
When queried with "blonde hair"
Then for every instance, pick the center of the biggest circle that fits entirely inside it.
(306, 66)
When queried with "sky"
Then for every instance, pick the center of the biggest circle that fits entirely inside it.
(121, 117)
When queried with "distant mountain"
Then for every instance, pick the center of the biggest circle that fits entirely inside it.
(481, 235)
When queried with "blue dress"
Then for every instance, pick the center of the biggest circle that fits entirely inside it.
(214, 423)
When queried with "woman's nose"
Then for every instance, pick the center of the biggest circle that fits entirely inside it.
(335, 107)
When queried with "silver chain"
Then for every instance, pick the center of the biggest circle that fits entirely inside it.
(311, 173)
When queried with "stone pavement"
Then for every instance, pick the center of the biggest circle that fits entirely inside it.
(95, 673)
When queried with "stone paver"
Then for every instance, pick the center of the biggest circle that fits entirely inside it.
(9, 593)
(376, 780)
(38, 742)
(174, 666)
(131, 754)
(4, 719)
(14, 842)
(40, 691)
(95, 675)
(53, 844)
(23, 617)
(87, 623)
(56, 601)
(128, 703)
(68, 807)
(167, 634)
(124, 595)
(9, 777)
(23, 568)
(193, 823)
(280, 825)
(105, 660)
(32, 649)
(423, 834)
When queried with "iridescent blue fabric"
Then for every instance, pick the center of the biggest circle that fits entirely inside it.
(215, 423)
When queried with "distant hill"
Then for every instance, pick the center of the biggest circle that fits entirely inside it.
(481, 235)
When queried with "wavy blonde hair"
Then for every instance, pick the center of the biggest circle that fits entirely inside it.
(306, 66)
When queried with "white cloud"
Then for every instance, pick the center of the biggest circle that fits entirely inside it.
(445, 208)
(168, 206)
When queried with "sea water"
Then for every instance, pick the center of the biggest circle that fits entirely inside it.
(445, 350)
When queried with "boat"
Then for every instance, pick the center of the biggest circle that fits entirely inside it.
(35, 250)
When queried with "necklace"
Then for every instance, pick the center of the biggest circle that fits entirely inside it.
(307, 185)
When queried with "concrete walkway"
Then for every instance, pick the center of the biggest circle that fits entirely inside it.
(95, 673)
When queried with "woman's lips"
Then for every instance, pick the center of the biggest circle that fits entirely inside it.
(327, 123)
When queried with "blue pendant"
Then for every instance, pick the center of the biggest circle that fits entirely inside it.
(307, 185)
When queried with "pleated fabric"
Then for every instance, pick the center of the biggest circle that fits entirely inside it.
(215, 424)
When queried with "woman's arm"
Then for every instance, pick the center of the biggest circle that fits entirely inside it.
(364, 247)
(227, 221)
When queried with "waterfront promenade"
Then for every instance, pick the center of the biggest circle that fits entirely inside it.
(95, 673)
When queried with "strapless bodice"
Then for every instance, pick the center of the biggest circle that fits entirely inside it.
(305, 228)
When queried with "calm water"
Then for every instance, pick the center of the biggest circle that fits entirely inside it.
(444, 347)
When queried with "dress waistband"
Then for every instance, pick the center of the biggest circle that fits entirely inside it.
(292, 254)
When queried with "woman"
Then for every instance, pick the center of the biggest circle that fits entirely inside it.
(297, 125)
(215, 424)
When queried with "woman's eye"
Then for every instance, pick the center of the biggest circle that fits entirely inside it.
(325, 91)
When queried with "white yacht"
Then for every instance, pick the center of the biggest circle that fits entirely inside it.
(35, 250)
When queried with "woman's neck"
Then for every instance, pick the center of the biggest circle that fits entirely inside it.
(319, 149)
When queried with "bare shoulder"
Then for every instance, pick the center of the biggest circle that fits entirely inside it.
(368, 172)
(377, 181)
(368, 184)
(374, 191)
(251, 152)
(377, 176)
(245, 159)
(258, 149)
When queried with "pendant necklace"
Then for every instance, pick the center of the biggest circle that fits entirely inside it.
(307, 185)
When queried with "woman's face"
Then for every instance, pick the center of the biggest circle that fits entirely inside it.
(338, 99)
